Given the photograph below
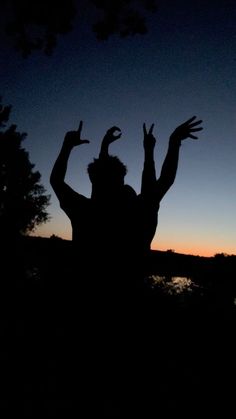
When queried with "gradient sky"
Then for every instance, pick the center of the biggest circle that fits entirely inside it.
(184, 66)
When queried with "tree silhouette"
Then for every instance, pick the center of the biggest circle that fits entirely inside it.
(36, 25)
(23, 201)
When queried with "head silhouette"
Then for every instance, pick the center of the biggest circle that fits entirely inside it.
(107, 173)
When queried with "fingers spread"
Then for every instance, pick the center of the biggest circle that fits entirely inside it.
(196, 129)
(189, 120)
(145, 129)
(195, 123)
(151, 129)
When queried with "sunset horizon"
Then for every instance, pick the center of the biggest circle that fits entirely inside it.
(163, 246)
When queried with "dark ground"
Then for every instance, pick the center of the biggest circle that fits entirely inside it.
(64, 355)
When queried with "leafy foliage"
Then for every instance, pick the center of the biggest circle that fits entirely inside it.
(123, 17)
(23, 201)
(35, 25)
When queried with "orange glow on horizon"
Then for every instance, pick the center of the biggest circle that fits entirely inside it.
(180, 248)
(206, 248)
(195, 250)
(187, 250)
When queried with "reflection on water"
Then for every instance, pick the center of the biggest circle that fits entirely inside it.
(32, 273)
(172, 285)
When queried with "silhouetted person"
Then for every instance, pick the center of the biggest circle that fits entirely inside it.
(112, 230)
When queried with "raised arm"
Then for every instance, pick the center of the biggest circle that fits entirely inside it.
(149, 173)
(57, 178)
(170, 165)
(109, 138)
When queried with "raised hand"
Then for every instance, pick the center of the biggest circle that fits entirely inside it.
(110, 135)
(186, 130)
(149, 140)
(109, 138)
(73, 138)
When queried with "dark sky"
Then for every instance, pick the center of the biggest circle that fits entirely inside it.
(184, 66)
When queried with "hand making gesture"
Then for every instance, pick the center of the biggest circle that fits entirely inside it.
(109, 138)
(73, 138)
(186, 130)
(149, 140)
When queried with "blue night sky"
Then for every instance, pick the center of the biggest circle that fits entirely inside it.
(184, 66)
